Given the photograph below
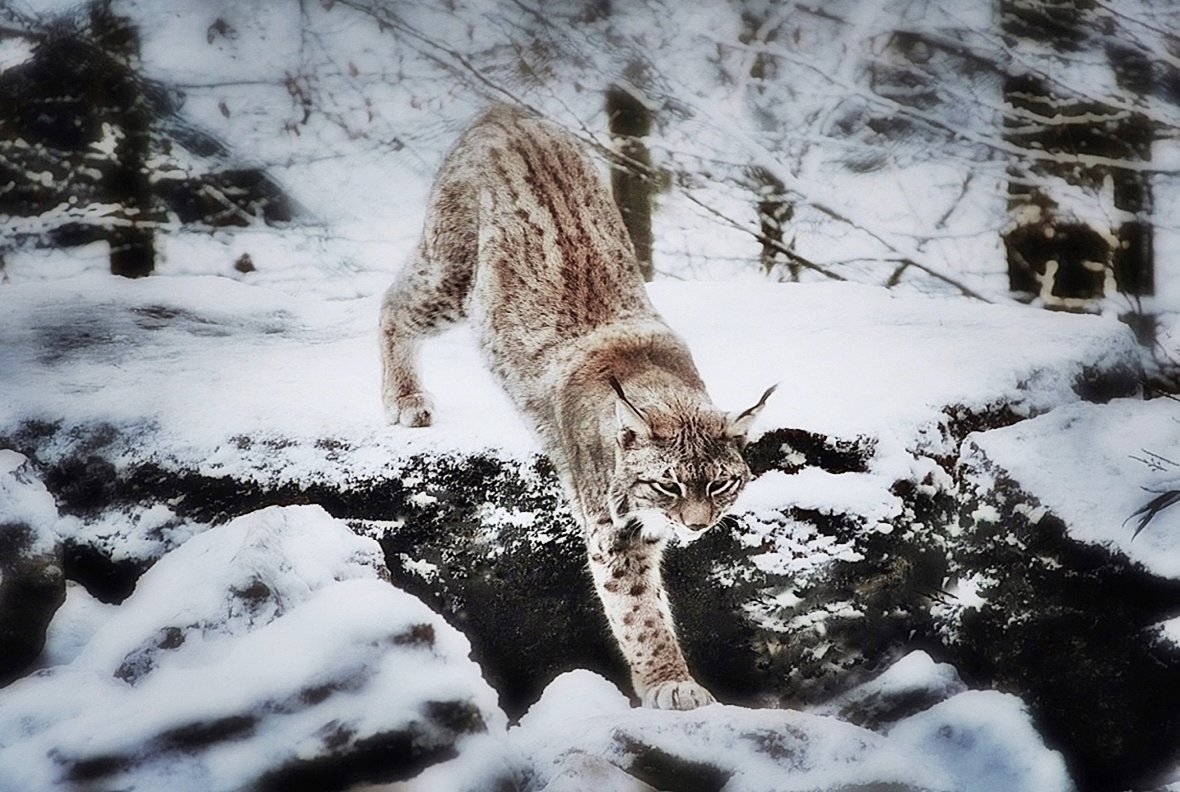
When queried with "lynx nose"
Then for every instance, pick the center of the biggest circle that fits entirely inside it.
(696, 516)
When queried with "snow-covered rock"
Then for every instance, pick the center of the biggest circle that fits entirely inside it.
(1094, 467)
(910, 685)
(265, 653)
(583, 736)
(1055, 596)
(768, 749)
(32, 581)
(983, 740)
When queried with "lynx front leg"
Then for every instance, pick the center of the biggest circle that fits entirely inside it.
(627, 578)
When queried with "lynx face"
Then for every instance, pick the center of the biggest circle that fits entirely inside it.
(676, 467)
(685, 482)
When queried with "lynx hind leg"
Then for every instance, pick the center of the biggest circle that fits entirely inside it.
(401, 390)
(415, 306)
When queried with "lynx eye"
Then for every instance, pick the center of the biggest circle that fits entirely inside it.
(722, 486)
(667, 487)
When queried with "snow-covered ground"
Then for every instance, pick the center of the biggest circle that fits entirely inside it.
(207, 674)
(195, 362)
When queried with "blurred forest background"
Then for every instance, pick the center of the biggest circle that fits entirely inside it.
(1019, 149)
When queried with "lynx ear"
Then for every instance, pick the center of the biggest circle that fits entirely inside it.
(740, 423)
(632, 423)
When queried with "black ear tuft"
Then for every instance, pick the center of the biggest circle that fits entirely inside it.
(739, 423)
(633, 425)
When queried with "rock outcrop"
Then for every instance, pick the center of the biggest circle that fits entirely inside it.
(885, 517)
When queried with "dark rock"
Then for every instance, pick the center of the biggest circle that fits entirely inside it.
(106, 579)
(494, 549)
(32, 588)
(244, 264)
(394, 756)
(97, 768)
(82, 485)
(663, 770)
(143, 660)
(790, 450)
(32, 584)
(194, 736)
(1069, 627)
(913, 684)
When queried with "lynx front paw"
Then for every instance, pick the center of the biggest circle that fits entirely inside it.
(412, 410)
(654, 527)
(684, 694)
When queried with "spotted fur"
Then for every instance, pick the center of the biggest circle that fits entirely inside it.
(522, 239)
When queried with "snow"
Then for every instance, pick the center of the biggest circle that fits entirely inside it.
(984, 740)
(13, 52)
(25, 501)
(197, 363)
(276, 628)
(249, 378)
(204, 360)
(290, 553)
(74, 624)
(272, 376)
(1094, 466)
(829, 493)
(582, 733)
(914, 676)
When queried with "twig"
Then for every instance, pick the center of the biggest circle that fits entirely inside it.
(775, 243)
(1149, 510)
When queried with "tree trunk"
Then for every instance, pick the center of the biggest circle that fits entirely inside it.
(1056, 252)
(133, 253)
(631, 180)
(775, 210)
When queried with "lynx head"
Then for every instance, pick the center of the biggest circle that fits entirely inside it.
(677, 465)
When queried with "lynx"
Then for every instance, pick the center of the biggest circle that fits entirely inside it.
(522, 239)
